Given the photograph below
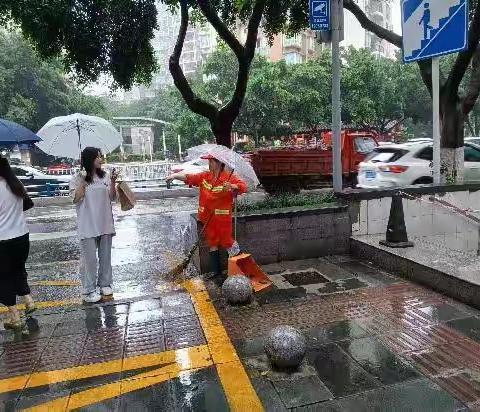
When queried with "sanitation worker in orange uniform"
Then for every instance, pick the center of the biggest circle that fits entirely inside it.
(218, 187)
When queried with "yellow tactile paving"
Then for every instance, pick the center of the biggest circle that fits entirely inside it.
(47, 304)
(59, 404)
(239, 391)
(219, 351)
(177, 360)
(55, 283)
(241, 395)
(13, 384)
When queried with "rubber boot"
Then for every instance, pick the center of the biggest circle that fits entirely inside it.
(216, 273)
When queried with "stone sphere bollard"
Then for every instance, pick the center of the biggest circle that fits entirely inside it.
(285, 346)
(237, 290)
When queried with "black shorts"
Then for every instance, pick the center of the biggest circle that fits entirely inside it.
(13, 275)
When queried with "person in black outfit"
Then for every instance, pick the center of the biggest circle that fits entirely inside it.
(14, 247)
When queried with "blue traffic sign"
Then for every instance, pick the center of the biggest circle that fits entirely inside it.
(320, 15)
(433, 28)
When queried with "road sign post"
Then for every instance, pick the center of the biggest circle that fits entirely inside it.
(336, 98)
(326, 16)
(432, 28)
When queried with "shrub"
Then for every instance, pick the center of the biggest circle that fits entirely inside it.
(282, 201)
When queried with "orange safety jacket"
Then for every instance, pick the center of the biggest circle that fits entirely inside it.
(215, 204)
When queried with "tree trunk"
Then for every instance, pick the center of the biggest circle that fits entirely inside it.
(222, 131)
(452, 132)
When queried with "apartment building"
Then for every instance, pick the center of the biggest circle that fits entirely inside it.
(199, 43)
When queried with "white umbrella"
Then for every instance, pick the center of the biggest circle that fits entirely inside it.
(67, 136)
(231, 159)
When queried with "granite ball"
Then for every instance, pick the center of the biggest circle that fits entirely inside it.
(237, 290)
(285, 347)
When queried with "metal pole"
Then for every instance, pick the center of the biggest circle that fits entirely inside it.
(164, 144)
(121, 144)
(151, 148)
(79, 140)
(179, 148)
(337, 8)
(436, 118)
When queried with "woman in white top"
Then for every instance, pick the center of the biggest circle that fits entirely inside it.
(93, 191)
(14, 246)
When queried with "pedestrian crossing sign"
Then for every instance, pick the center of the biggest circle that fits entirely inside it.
(433, 28)
(320, 15)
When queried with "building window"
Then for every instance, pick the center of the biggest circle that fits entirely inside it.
(295, 41)
(293, 58)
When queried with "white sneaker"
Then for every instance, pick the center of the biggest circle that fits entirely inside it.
(106, 291)
(93, 297)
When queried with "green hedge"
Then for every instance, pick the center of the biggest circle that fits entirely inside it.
(282, 201)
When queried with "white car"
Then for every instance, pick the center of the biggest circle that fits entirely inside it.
(39, 183)
(27, 173)
(409, 164)
(191, 167)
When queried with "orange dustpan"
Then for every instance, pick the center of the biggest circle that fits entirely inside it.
(244, 264)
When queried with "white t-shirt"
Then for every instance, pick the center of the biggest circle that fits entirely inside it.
(12, 219)
(94, 211)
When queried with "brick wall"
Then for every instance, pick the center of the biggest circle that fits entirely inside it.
(290, 235)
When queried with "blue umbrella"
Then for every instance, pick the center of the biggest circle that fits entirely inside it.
(12, 133)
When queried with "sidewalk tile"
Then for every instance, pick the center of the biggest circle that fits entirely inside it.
(378, 360)
(340, 373)
(302, 391)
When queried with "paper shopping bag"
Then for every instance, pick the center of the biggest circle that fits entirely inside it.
(126, 197)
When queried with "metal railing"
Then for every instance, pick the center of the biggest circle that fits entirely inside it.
(48, 190)
(131, 172)
(137, 175)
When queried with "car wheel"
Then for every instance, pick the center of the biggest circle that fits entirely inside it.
(423, 181)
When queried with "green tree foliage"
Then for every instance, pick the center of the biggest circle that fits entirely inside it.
(33, 91)
(282, 98)
(381, 92)
(91, 36)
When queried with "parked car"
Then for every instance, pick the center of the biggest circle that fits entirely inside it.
(474, 140)
(409, 164)
(39, 183)
(191, 167)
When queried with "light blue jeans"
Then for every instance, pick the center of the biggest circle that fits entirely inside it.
(96, 272)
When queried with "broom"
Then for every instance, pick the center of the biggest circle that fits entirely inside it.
(180, 268)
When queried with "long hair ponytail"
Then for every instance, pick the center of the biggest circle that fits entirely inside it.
(13, 182)
(88, 157)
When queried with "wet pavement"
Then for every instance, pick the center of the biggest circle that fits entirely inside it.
(375, 341)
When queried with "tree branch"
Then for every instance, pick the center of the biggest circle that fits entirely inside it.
(369, 25)
(464, 58)
(220, 27)
(195, 103)
(425, 67)
(232, 108)
(473, 90)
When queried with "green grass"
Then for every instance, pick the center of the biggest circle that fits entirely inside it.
(284, 201)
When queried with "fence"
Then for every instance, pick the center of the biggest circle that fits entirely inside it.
(138, 175)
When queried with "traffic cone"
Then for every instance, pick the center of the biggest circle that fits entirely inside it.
(396, 236)
(244, 264)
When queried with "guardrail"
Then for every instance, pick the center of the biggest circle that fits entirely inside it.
(142, 171)
(137, 175)
(62, 189)
(48, 190)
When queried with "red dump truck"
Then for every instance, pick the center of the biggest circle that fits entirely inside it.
(292, 169)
